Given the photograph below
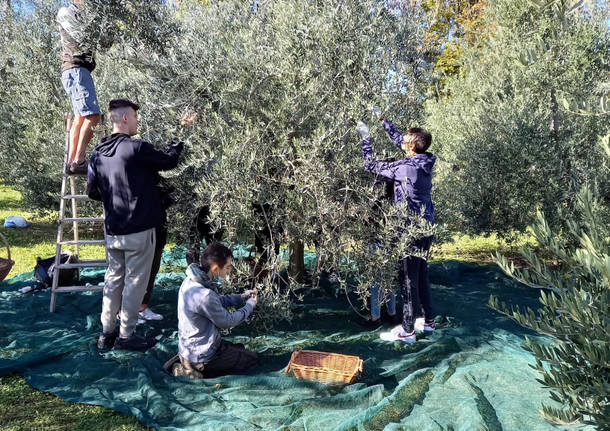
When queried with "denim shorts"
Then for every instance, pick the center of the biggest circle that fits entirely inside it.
(78, 83)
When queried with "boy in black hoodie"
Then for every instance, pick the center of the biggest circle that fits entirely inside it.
(123, 174)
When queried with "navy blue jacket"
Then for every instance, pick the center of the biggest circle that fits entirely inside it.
(412, 176)
(123, 174)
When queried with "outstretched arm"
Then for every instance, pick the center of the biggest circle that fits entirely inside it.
(392, 170)
(168, 159)
(395, 135)
(221, 317)
(159, 160)
(232, 301)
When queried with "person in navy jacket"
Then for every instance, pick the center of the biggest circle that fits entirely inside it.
(412, 181)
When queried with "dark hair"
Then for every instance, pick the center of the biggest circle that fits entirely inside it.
(122, 103)
(215, 253)
(421, 138)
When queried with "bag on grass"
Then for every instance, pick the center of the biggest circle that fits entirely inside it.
(43, 271)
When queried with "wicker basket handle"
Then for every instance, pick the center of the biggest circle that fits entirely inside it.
(8, 249)
(289, 367)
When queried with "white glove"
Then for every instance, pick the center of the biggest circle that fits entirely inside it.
(363, 130)
(376, 110)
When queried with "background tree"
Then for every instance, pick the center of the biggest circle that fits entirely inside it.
(518, 148)
(32, 100)
(453, 26)
(278, 88)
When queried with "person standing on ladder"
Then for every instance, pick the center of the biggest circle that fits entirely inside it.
(123, 174)
(78, 62)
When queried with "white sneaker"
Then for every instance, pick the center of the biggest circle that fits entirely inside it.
(422, 326)
(398, 334)
(148, 314)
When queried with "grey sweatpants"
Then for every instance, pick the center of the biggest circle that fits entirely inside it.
(129, 261)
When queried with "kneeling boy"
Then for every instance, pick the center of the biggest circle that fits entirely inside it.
(202, 313)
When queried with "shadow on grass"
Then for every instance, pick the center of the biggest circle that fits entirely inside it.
(31, 236)
(10, 202)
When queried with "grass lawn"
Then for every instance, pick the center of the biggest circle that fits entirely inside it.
(23, 408)
(481, 248)
(25, 244)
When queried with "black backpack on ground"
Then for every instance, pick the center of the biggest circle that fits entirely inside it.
(43, 271)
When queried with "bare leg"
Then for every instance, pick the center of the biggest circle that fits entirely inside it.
(86, 132)
(77, 123)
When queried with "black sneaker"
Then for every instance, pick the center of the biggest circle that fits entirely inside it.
(134, 342)
(368, 324)
(78, 168)
(106, 341)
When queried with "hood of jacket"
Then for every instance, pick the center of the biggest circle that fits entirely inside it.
(425, 161)
(108, 145)
(198, 275)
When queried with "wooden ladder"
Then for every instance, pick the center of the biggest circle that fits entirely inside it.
(74, 198)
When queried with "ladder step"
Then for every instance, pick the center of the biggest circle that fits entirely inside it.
(84, 241)
(84, 264)
(84, 219)
(60, 289)
(79, 197)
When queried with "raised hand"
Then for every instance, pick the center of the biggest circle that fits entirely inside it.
(189, 119)
(376, 110)
(253, 300)
(363, 130)
(249, 293)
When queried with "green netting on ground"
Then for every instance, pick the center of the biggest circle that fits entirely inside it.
(472, 374)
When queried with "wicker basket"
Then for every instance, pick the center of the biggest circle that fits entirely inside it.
(324, 367)
(5, 264)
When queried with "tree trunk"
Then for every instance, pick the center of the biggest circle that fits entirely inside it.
(297, 261)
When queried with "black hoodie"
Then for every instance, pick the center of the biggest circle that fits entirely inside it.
(123, 174)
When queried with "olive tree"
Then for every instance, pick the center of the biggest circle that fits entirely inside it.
(512, 124)
(279, 89)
